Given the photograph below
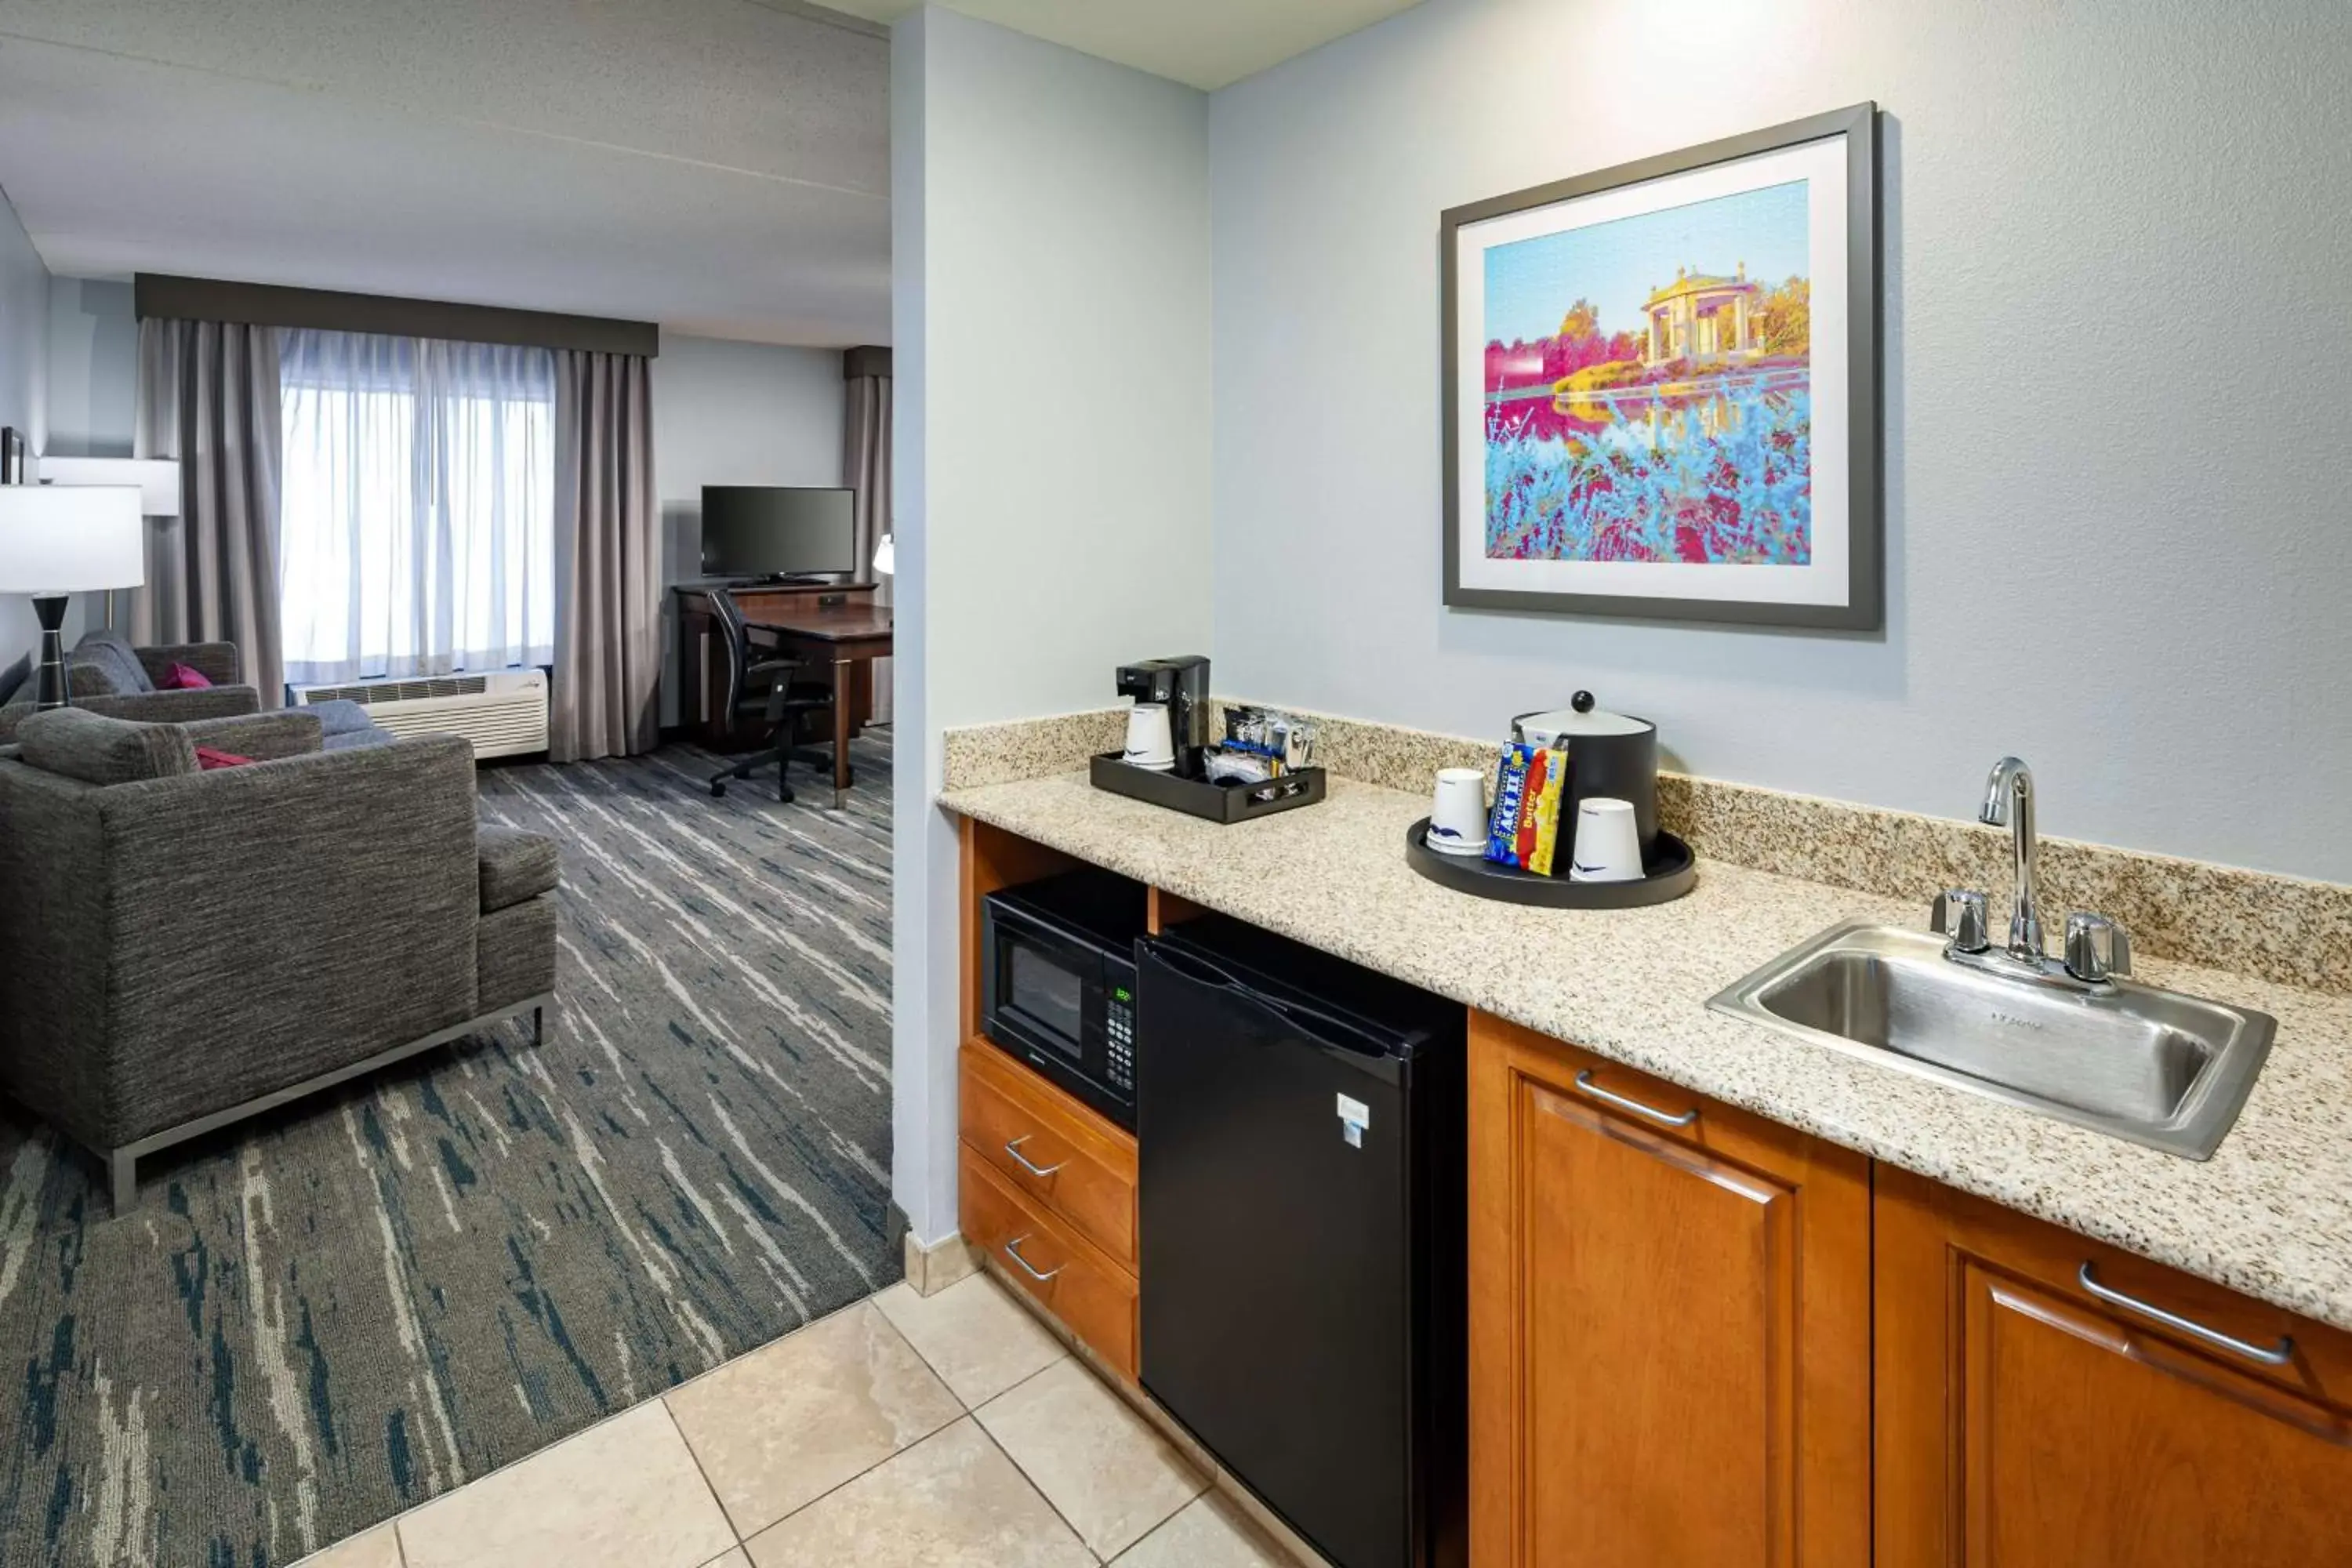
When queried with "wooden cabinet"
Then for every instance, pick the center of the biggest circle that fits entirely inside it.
(1700, 1339)
(1044, 1256)
(1055, 1151)
(2025, 1422)
(1670, 1328)
(1046, 1183)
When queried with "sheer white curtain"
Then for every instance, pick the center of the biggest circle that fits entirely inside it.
(418, 531)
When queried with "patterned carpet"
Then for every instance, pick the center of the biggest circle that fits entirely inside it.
(316, 1321)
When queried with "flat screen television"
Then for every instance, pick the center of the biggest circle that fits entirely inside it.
(772, 530)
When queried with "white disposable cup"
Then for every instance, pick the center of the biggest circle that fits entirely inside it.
(1458, 816)
(1607, 842)
(1150, 742)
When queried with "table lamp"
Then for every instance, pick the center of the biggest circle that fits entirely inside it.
(58, 540)
(885, 558)
(158, 479)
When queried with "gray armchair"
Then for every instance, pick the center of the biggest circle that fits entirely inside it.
(181, 948)
(105, 675)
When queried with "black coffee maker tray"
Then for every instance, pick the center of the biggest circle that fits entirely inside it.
(1672, 870)
(1238, 801)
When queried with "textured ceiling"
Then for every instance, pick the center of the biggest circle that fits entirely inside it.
(1207, 43)
(715, 165)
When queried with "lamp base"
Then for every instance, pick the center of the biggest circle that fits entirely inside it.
(53, 690)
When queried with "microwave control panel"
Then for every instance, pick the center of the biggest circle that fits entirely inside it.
(1119, 1013)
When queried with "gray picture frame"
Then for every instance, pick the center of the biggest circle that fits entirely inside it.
(1865, 608)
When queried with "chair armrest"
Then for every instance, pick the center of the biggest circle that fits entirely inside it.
(176, 707)
(264, 737)
(216, 661)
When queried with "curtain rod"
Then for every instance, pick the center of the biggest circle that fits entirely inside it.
(267, 305)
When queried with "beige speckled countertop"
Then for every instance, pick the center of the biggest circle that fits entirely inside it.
(2269, 1214)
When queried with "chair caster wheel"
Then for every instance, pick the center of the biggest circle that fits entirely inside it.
(717, 792)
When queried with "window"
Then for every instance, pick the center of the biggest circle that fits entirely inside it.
(416, 506)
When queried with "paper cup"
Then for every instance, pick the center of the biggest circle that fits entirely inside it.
(1458, 816)
(1607, 842)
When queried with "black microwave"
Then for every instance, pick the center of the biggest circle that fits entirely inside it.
(1057, 983)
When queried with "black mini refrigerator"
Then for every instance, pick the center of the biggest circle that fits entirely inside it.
(1300, 1129)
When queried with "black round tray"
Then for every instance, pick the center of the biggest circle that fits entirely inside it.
(1673, 871)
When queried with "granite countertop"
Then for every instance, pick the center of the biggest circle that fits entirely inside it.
(2269, 1214)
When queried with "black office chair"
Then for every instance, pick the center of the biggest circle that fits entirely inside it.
(761, 684)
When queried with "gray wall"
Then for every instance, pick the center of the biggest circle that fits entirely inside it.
(1051, 319)
(733, 413)
(2119, 526)
(93, 368)
(24, 391)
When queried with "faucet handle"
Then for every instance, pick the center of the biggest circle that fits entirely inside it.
(2096, 948)
(1960, 915)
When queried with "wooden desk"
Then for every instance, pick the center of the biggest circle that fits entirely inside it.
(702, 653)
(846, 638)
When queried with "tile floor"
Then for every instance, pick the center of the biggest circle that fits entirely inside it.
(942, 1431)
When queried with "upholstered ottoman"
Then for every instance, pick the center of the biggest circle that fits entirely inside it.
(514, 946)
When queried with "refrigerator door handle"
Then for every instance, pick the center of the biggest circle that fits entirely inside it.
(1326, 1032)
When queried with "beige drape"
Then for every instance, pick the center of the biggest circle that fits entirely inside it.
(866, 470)
(606, 687)
(208, 396)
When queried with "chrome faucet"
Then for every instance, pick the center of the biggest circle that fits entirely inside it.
(2097, 949)
(2009, 803)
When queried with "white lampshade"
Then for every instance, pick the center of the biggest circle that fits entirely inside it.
(885, 557)
(70, 539)
(158, 479)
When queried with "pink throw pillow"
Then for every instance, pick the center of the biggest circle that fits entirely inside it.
(209, 758)
(184, 678)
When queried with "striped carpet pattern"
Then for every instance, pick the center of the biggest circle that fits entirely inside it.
(315, 1320)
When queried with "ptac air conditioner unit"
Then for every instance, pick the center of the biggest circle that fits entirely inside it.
(503, 715)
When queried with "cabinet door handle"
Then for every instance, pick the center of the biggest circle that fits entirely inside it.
(1012, 1250)
(2279, 1355)
(1665, 1119)
(1024, 1160)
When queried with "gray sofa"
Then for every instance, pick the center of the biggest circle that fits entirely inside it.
(180, 949)
(106, 674)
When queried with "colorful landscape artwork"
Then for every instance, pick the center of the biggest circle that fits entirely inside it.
(1648, 387)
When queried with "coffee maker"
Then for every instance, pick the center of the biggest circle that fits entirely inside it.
(1183, 683)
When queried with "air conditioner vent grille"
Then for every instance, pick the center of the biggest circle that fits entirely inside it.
(374, 691)
(502, 714)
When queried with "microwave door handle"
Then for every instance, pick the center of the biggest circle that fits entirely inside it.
(1307, 1021)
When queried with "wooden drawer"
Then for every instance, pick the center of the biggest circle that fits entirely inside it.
(1093, 1297)
(1009, 1114)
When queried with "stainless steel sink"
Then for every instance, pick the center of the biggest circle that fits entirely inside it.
(2155, 1067)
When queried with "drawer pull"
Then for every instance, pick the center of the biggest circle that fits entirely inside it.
(1665, 1119)
(1023, 1161)
(2279, 1355)
(1012, 1250)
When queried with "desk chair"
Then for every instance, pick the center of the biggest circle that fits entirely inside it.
(780, 699)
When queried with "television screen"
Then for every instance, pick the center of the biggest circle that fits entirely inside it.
(763, 530)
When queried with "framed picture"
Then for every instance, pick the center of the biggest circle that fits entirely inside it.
(1661, 386)
(11, 455)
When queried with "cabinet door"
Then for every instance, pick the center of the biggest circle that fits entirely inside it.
(2024, 1422)
(1670, 1324)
